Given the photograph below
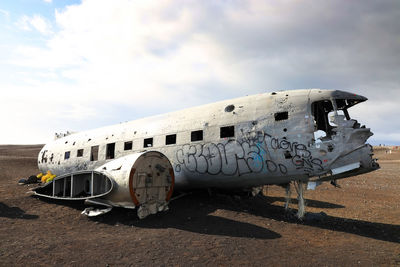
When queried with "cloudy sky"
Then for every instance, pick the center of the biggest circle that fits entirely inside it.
(77, 65)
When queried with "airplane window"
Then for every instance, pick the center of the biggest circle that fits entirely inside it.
(148, 142)
(94, 153)
(128, 145)
(196, 135)
(170, 139)
(227, 131)
(280, 116)
(79, 153)
(67, 154)
(110, 151)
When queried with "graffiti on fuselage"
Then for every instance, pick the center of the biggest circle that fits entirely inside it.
(229, 158)
(300, 155)
(44, 157)
(250, 154)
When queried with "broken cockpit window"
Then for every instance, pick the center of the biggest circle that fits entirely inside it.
(332, 119)
(342, 117)
(329, 116)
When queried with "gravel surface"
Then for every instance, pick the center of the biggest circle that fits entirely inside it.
(358, 224)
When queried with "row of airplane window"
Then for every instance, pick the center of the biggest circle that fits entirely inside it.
(225, 132)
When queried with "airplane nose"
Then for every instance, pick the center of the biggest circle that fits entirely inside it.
(375, 165)
(368, 163)
(374, 161)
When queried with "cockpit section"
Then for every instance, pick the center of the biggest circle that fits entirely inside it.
(330, 115)
(339, 140)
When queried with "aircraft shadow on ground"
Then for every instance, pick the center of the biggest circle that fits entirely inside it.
(309, 202)
(193, 213)
(209, 224)
(378, 231)
(189, 216)
(15, 213)
(195, 219)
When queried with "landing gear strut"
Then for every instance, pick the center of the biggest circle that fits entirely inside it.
(299, 186)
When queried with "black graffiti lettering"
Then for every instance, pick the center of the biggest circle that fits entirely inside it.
(178, 168)
(243, 167)
(317, 163)
(201, 161)
(213, 157)
(44, 157)
(186, 156)
(302, 158)
(275, 143)
(245, 156)
(231, 152)
(298, 161)
(286, 144)
(271, 166)
(255, 137)
(230, 158)
(302, 151)
(282, 168)
(307, 163)
(191, 162)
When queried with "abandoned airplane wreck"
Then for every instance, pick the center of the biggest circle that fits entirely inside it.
(303, 136)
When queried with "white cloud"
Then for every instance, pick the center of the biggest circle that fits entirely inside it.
(40, 24)
(48, 1)
(116, 51)
(23, 23)
(5, 13)
(148, 57)
(36, 22)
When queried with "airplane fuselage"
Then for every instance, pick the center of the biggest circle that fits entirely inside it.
(250, 141)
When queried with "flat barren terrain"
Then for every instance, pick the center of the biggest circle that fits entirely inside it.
(357, 224)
